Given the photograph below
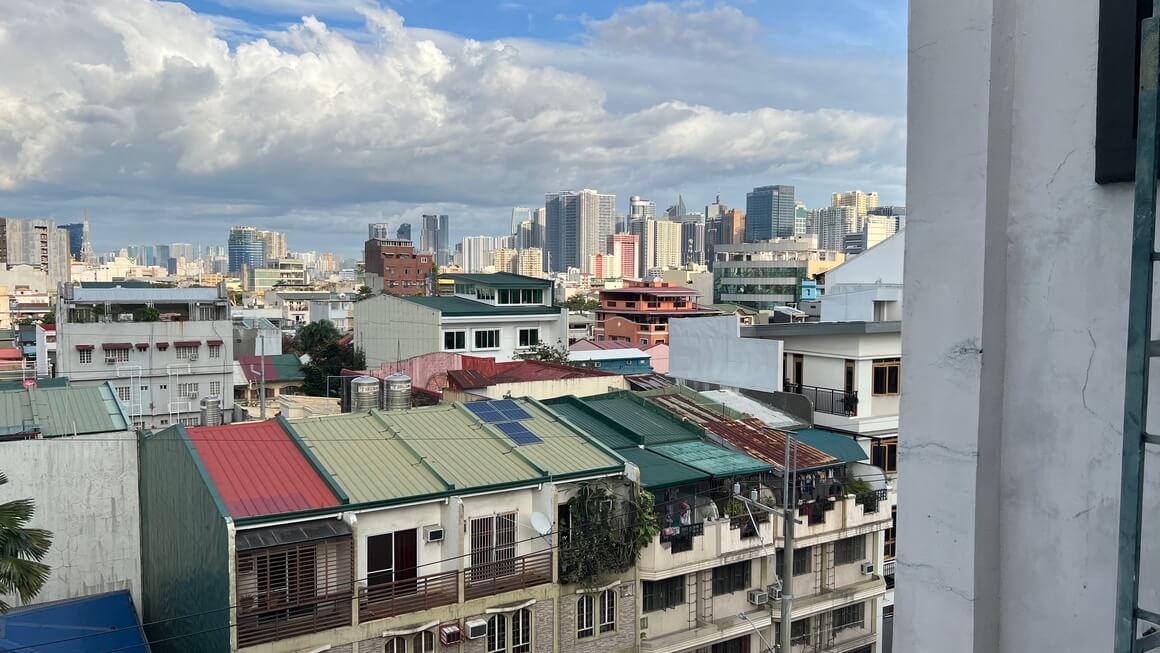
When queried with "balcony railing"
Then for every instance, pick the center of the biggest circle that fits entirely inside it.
(681, 537)
(277, 619)
(870, 500)
(827, 400)
(507, 575)
(408, 595)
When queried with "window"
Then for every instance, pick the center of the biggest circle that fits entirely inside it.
(187, 389)
(497, 634)
(186, 353)
(731, 578)
(493, 545)
(521, 631)
(86, 356)
(850, 616)
(799, 631)
(801, 561)
(424, 642)
(190, 421)
(608, 611)
(849, 375)
(124, 393)
(454, 340)
(215, 351)
(118, 355)
(886, 376)
(396, 645)
(644, 341)
(888, 549)
(380, 559)
(584, 616)
(735, 645)
(851, 549)
(487, 339)
(664, 594)
(884, 454)
(529, 337)
(215, 388)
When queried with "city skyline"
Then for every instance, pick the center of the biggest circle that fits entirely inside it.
(167, 179)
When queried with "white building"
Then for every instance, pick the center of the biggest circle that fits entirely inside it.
(45, 350)
(477, 253)
(338, 309)
(835, 223)
(493, 315)
(867, 287)
(158, 369)
(666, 244)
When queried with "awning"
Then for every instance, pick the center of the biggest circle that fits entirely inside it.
(163, 345)
(286, 534)
(84, 347)
(843, 447)
(214, 342)
(142, 346)
(117, 345)
(712, 459)
(658, 472)
(187, 343)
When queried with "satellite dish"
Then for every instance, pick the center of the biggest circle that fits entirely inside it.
(541, 523)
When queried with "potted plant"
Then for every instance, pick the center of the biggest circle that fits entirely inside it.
(850, 402)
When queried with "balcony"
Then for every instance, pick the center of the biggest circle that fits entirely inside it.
(271, 618)
(408, 595)
(507, 575)
(826, 400)
(700, 546)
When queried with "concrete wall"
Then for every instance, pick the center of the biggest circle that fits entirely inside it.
(387, 328)
(547, 389)
(85, 491)
(711, 350)
(1016, 310)
(553, 331)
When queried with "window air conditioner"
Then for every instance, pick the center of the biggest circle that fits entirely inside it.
(867, 568)
(758, 597)
(433, 533)
(774, 592)
(193, 357)
(476, 628)
(451, 634)
(110, 360)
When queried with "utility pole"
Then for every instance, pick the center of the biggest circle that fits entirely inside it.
(262, 362)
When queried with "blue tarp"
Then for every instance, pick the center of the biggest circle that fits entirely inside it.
(93, 624)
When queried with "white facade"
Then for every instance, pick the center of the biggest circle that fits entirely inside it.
(711, 350)
(45, 351)
(339, 310)
(167, 367)
(477, 253)
(665, 239)
(867, 287)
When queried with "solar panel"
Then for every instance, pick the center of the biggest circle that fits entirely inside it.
(485, 412)
(518, 433)
(500, 410)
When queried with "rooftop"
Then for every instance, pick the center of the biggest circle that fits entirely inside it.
(278, 367)
(499, 280)
(733, 308)
(659, 291)
(61, 411)
(134, 294)
(518, 372)
(451, 306)
(771, 416)
(259, 469)
(786, 329)
(93, 624)
(607, 354)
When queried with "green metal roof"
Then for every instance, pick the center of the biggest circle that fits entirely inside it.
(650, 424)
(499, 280)
(713, 459)
(41, 382)
(381, 456)
(658, 472)
(451, 306)
(72, 410)
(592, 422)
(842, 447)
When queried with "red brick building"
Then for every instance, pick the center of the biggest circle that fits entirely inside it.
(393, 266)
(639, 313)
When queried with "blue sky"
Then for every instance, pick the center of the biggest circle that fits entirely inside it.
(170, 122)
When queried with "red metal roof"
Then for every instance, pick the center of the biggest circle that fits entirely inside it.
(258, 470)
(11, 354)
(518, 372)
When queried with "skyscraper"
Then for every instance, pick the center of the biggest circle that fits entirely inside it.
(801, 219)
(434, 238)
(578, 226)
(666, 241)
(520, 214)
(477, 253)
(275, 244)
(732, 227)
(403, 232)
(769, 213)
(38, 243)
(639, 209)
(246, 249)
(626, 249)
(76, 239)
(834, 223)
(860, 200)
(693, 239)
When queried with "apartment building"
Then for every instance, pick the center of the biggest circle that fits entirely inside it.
(640, 311)
(339, 309)
(769, 274)
(394, 266)
(161, 349)
(499, 315)
(447, 528)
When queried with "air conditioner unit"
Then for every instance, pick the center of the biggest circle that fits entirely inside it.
(774, 592)
(433, 533)
(450, 634)
(110, 360)
(758, 597)
(192, 357)
(867, 568)
(476, 628)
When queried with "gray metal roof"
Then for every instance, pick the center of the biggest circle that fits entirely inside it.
(768, 414)
(819, 329)
(82, 294)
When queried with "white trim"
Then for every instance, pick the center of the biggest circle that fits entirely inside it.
(504, 609)
(598, 590)
(498, 339)
(413, 630)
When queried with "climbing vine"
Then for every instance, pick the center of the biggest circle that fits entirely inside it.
(606, 533)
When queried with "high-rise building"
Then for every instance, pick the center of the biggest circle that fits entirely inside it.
(639, 209)
(897, 212)
(506, 259)
(76, 239)
(693, 248)
(520, 214)
(860, 200)
(834, 223)
(801, 219)
(434, 238)
(604, 266)
(378, 231)
(716, 209)
(275, 244)
(626, 248)
(769, 213)
(403, 232)
(578, 226)
(732, 227)
(390, 265)
(477, 253)
(530, 262)
(665, 238)
(38, 243)
(677, 211)
(182, 251)
(246, 249)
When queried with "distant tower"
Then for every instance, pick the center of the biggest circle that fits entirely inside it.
(86, 243)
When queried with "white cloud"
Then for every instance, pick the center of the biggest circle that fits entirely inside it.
(688, 29)
(145, 102)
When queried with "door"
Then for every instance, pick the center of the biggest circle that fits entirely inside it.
(798, 373)
(406, 559)
(380, 559)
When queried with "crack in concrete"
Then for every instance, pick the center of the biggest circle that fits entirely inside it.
(1058, 168)
(1086, 378)
(936, 578)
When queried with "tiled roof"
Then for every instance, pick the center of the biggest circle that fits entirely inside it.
(91, 624)
(280, 367)
(61, 411)
(258, 469)
(648, 381)
(451, 306)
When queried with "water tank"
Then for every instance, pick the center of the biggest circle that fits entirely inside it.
(364, 394)
(397, 392)
(211, 411)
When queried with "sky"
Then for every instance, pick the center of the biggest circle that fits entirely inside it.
(170, 122)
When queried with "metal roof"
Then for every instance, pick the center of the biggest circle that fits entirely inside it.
(593, 422)
(499, 280)
(771, 416)
(785, 329)
(61, 411)
(388, 455)
(607, 354)
(671, 291)
(712, 458)
(278, 367)
(155, 294)
(650, 424)
(451, 306)
(258, 469)
(658, 472)
(652, 381)
(92, 624)
(843, 447)
(294, 533)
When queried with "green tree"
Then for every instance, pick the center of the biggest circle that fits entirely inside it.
(557, 353)
(49, 318)
(581, 303)
(314, 336)
(22, 551)
(320, 341)
(364, 292)
(146, 314)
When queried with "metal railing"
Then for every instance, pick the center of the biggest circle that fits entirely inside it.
(870, 500)
(276, 619)
(507, 575)
(408, 595)
(826, 400)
